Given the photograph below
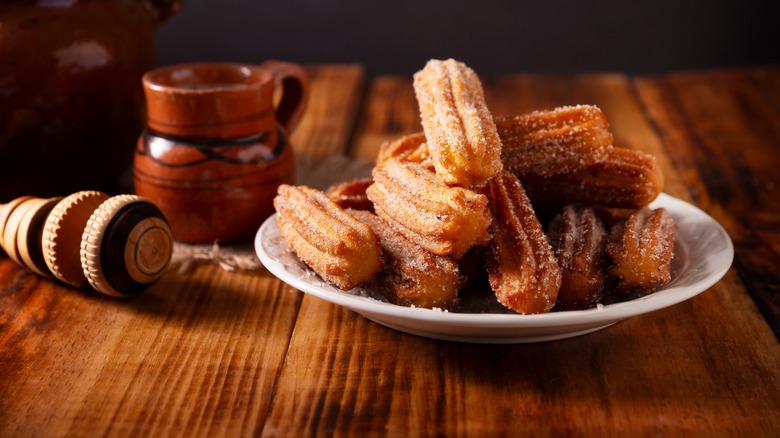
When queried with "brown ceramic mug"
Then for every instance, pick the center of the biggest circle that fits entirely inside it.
(216, 147)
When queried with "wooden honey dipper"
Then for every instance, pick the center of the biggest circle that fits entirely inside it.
(119, 245)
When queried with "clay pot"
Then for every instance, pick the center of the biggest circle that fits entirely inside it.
(216, 148)
(72, 103)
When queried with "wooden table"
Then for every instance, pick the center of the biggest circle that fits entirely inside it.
(210, 353)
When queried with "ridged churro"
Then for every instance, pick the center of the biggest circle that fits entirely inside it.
(462, 138)
(442, 219)
(578, 237)
(522, 268)
(625, 179)
(641, 249)
(412, 276)
(561, 140)
(335, 245)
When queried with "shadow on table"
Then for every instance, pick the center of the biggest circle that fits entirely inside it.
(208, 297)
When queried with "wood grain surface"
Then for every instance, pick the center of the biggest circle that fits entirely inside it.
(722, 129)
(207, 352)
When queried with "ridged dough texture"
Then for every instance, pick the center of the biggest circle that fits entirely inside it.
(442, 219)
(641, 249)
(351, 194)
(462, 138)
(578, 237)
(522, 268)
(334, 244)
(471, 181)
(412, 147)
(625, 179)
(412, 276)
(555, 141)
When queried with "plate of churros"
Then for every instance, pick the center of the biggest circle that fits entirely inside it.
(703, 254)
(509, 229)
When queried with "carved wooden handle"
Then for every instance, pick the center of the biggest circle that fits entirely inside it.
(119, 245)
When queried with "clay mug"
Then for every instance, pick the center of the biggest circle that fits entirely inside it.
(216, 145)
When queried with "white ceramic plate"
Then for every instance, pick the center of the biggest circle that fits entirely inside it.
(703, 254)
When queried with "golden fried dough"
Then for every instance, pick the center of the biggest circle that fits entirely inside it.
(556, 141)
(334, 244)
(351, 194)
(412, 276)
(442, 219)
(462, 138)
(641, 249)
(625, 179)
(522, 268)
(578, 237)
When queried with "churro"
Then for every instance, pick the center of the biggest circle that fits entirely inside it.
(445, 220)
(522, 268)
(412, 276)
(455, 210)
(351, 194)
(625, 179)
(562, 140)
(641, 249)
(462, 139)
(578, 238)
(410, 147)
(334, 244)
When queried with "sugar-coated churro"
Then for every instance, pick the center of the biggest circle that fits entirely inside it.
(625, 179)
(578, 237)
(462, 138)
(442, 219)
(334, 244)
(555, 141)
(641, 249)
(522, 268)
(412, 276)
(351, 194)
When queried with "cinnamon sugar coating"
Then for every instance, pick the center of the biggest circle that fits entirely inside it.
(555, 141)
(522, 268)
(351, 194)
(442, 219)
(625, 179)
(578, 237)
(641, 249)
(462, 137)
(334, 244)
(412, 276)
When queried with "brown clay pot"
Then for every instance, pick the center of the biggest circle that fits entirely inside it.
(71, 102)
(216, 149)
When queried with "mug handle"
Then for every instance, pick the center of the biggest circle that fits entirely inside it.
(295, 92)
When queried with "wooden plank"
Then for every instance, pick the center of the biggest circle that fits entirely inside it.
(197, 354)
(179, 357)
(706, 365)
(389, 112)
(335, 97)
(721, 129)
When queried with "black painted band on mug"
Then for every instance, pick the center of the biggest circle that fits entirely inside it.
(212, 148)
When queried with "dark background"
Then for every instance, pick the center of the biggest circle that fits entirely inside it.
(397, 37)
